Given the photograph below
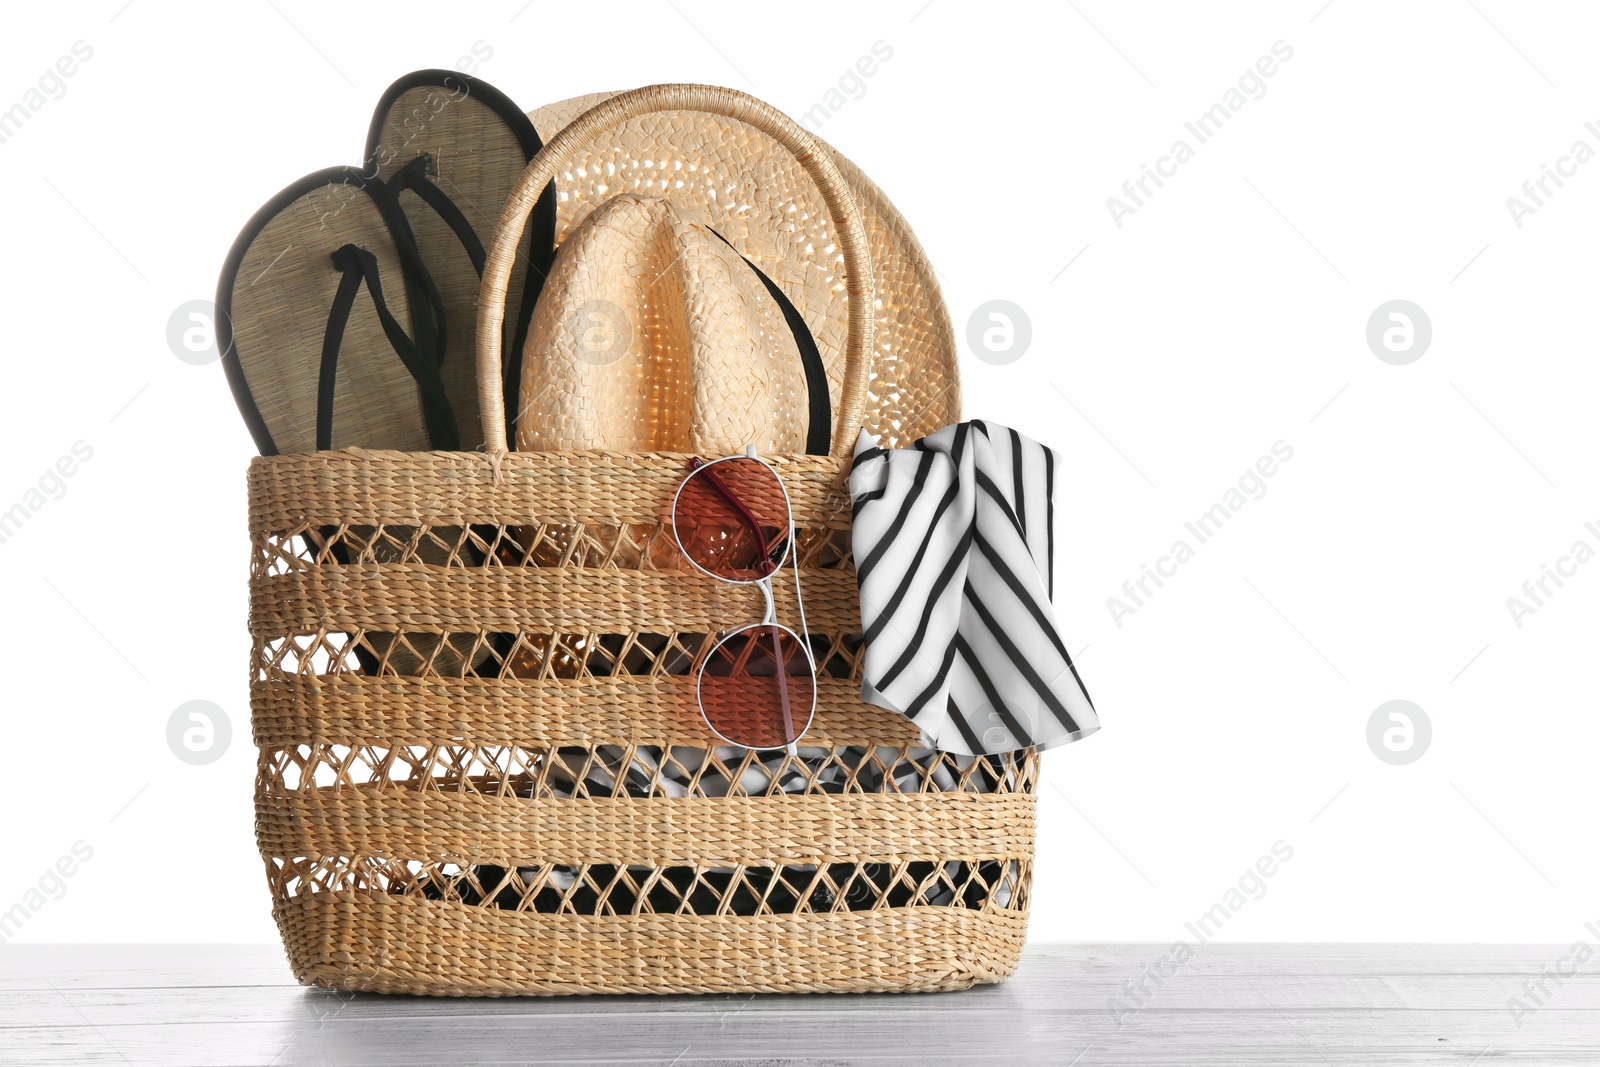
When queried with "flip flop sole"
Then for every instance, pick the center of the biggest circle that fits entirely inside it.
(273, 299)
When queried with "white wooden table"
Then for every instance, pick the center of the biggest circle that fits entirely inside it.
(1231, 1004)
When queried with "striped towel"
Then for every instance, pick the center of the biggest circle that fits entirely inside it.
(953, 541)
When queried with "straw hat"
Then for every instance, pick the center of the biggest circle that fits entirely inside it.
(723, 175)
(653, 335)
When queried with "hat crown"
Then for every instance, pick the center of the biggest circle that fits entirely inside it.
(653, 335)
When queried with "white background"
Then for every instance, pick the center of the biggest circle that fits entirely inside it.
(1227, 314)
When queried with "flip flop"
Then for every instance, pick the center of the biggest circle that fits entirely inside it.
(451, 148)
(312, 362)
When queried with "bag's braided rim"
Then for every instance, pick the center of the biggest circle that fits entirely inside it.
(355, 486)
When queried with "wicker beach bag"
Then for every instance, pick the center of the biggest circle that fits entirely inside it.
(549, 814)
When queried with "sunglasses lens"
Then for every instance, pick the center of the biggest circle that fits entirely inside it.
(732, 519)
(757, 688)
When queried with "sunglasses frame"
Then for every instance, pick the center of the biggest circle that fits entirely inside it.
(769, 616)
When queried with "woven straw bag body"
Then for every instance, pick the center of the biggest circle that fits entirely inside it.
(482, 769)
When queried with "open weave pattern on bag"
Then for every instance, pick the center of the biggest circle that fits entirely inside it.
(474, 698)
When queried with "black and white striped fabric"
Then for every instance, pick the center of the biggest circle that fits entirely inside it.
(954, 540)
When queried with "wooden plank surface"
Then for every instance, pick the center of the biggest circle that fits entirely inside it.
(1229, 1004)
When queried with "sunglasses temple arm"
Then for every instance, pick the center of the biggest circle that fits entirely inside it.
(799, 601)
(750, 520)
(781, 669)
(780, 665)
(805, 637)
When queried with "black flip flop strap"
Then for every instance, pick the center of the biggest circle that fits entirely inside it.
(414, 176)
(358, 265)
(422, 292)
(820, 429)
(417, 177)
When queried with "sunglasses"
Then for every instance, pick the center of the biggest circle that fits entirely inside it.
(757, 685)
